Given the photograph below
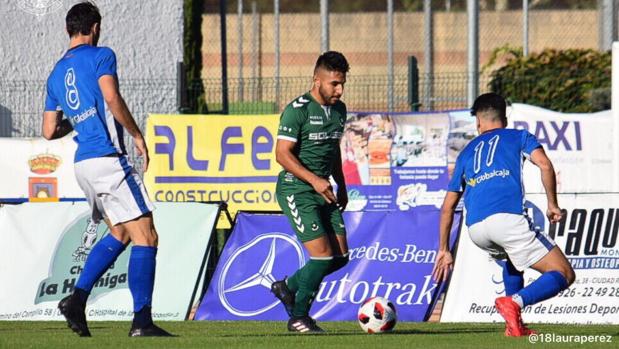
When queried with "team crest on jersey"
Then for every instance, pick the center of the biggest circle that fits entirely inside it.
(314, 226)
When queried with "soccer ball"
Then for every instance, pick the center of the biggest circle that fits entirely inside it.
(377, 315)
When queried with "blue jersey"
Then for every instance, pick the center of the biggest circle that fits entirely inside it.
(489, 171)
(73, 87)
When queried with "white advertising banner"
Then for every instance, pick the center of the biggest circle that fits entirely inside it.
(587, 235)
(43, 247)
(579, 145)
(36, 169)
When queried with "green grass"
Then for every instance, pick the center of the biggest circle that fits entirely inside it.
(206, 334)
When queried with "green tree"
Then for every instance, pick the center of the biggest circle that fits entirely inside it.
(575, 80)
(192, 56)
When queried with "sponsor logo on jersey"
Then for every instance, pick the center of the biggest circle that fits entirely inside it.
(85, 115)
(315, 120)
(320, 136)
(487, 176)
(288, 177)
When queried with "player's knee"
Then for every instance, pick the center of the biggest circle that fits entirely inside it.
(146, 238)
(153, 238)
(569, 275)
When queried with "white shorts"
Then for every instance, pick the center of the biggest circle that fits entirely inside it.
(113, 189)
(505, 235)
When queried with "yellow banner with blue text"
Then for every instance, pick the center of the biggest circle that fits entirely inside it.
(227, 158)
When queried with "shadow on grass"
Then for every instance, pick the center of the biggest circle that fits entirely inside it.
(360, 333)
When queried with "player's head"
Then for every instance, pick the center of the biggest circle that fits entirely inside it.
(490, 108)
(84, 19)
(330, 76)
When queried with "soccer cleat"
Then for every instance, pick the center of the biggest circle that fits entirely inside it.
(283, 293)
(75, 314)
(303, 324)
(526, 331)
(510, 311)
(151, 330)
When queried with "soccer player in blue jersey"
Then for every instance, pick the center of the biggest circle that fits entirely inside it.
(489, 173)
(83, 87)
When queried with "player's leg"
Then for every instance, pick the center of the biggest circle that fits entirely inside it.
(527, 247)
(336, 231)
(103, 253)
(127, 206)
(297, 292)
(491, 235)
(557, 275)
(513, 279)
(142, 265)
(307, 281)
(101, 257)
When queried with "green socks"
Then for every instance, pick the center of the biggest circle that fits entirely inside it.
(306, 281)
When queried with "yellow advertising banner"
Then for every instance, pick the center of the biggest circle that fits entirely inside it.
(227, 158)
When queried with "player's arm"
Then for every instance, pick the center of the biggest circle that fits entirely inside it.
(539, 158)
(338, 177)
(285, 157)
(54, 126)
(118, 107)
(444, 260)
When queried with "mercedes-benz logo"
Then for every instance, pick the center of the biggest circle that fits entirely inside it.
(262, 277)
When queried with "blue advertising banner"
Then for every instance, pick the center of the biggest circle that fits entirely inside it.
(391, 255)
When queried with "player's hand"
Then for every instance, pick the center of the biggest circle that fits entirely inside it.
(442, 266)
(324, 188)
(554, 214)
(342, 197)
(140, 147)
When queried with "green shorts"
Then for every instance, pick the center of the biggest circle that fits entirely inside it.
(310, 215)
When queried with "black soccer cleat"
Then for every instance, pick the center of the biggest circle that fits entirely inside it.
(283, 293)
(75, 314)
(303, 324)
(149, 331)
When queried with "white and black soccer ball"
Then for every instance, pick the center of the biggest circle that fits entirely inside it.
(377, 315)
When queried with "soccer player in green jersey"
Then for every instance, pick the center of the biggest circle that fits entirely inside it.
(308, 148)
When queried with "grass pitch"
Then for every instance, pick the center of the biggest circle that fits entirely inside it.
(250, 334)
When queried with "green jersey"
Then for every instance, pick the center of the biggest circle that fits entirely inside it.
(317, 131)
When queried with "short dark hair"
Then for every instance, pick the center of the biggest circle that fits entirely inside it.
(490, 102)
(332, 61)
(81, 18)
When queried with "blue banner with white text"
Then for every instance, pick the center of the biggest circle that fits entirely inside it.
(391, 255)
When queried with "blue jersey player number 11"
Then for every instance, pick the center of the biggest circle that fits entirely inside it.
(488, 173)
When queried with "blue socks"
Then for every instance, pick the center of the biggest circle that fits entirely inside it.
(142, 280)
(512, 278)
(102, 256)
(546, 286)
(142, 264)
